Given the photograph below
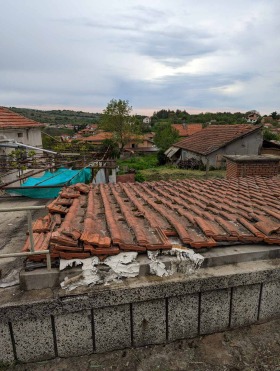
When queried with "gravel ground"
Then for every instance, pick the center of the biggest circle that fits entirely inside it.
(253, 348)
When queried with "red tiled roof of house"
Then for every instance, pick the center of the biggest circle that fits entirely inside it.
(214, 137)
(97, 138)
(108, 218)
(187, 129)
(10, 120)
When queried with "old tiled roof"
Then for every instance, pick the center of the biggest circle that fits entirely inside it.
(106, 219)
(214, 137)
(188, 129)
(97, 138)
(12, 120)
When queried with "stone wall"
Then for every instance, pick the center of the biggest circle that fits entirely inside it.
(137, 312)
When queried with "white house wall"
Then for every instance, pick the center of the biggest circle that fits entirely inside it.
(30, 137)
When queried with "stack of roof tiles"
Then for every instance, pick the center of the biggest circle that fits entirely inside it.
(106, 219)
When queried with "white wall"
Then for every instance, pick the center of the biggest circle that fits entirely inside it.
(32, 137)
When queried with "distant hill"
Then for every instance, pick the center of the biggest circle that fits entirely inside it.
(58, 117)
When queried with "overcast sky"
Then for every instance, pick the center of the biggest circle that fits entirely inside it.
(203, 55)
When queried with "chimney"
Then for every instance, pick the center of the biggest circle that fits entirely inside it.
(240, 166)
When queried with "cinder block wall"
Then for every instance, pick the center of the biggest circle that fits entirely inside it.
(267, 169)
(139, 314)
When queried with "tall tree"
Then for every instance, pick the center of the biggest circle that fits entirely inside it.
(274, 115)
(165, 136)
(118, 120)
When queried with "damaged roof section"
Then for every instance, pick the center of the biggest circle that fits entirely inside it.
(104, 220)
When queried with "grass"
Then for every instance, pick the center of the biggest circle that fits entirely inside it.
(138, 162)
(147, 170)
(168, 173)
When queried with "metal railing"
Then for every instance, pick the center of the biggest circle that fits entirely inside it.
(30, 231)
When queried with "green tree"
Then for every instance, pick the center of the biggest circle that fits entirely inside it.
(165, 136)
(274, 115)
(110, 147)
(268, 135)
(118, 120)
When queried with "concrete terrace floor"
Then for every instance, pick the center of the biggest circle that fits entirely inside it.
(252, 348)
(13, 228)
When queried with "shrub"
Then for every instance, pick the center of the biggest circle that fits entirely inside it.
(139, 177)
(161, 157)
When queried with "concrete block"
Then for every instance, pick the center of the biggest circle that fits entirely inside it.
(149, 322)
(6, 348)
(214, 312)
(183, 317)
(270, 300)
(112, 328)
(245, 304)
(39, 279)
(74, 334)
(34, 340)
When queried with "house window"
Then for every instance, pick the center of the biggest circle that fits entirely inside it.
(20, 135)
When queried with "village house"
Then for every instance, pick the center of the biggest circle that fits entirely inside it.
(147, 120)
(95, 139)
(252, 118)
(88, 130)
(209, 145)
(18, 128)
(143, 143)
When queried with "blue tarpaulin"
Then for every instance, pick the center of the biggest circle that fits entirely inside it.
(60, 177)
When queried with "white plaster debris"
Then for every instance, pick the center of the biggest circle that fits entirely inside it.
(88, 276)
(156, 266)
(124, 264)
(121, 265)
(187, 260)
(87, 263)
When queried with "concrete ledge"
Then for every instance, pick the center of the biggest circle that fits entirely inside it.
(39, 279)
(136, 312)
(27, 305)
(42, 278)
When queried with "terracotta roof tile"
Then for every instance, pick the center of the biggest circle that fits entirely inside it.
(97, 138)
(11, 120)
(185, 130)
(141, 217)
(214, 137)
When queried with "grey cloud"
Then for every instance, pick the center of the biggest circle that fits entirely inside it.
(51, 54)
